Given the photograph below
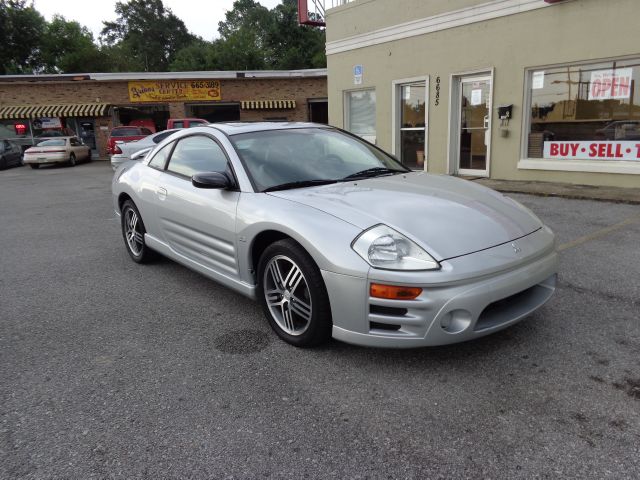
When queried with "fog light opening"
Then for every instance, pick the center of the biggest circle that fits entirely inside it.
(456, 321)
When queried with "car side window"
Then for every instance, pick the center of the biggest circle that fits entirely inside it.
(162, 136)
(159, 160)
(195, 154)
(74, 142)
(178, 124)
(146, 131)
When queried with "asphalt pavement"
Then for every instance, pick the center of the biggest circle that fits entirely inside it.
(109, 369)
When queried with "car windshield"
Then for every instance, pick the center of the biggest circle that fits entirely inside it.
(293, 158)
(52, 143)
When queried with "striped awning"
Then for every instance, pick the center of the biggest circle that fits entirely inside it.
(267, 104)
(59, 110)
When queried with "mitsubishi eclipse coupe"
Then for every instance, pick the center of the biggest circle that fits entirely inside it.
(334, 237)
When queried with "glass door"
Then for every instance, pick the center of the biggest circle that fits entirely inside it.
(474, 128)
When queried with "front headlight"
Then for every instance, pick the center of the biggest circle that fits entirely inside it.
(383, 247)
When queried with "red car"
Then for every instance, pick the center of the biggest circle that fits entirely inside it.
(125, 134)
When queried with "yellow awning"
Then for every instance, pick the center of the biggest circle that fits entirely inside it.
(267, 104)
(59, 110)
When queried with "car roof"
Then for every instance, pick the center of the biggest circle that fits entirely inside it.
(235, 128)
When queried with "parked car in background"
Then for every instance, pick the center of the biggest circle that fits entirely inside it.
(334, 237)
(144, 122)
(125, 150)
(125, 134)
(186, 122)
(10, 154)
(67, 150)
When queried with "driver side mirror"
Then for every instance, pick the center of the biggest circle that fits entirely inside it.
(213, 180)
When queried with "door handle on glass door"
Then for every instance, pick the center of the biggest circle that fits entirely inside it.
(162, 193)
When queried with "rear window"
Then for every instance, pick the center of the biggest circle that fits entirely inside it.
(196, 123)
(125, 132)
(52, 143)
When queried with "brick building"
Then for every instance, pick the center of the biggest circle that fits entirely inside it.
(90, 105)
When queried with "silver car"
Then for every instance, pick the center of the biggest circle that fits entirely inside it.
(334, 237)
(137, 149)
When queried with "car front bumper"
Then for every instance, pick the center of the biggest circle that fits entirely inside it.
(470, 297)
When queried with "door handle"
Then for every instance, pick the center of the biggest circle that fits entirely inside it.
(162, 193)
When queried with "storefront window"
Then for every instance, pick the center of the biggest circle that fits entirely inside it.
(361, 114)
(16, 130)
(412, 124)
(585, 112)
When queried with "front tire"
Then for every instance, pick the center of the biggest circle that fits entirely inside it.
(34, 165)
(133, 233)
(293, 295)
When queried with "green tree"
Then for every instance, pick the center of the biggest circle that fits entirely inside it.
(242, 43)
(68, 47)
(294, 46)
(200, 55)
(21, 28)
(147, 31)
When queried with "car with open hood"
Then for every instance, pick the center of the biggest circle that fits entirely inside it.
(334, 237)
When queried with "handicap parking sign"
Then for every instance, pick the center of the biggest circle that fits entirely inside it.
(357, 74)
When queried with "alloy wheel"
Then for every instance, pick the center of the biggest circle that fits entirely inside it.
(287, 295)
(133, 233)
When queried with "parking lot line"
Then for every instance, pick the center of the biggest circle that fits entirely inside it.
(600, 233)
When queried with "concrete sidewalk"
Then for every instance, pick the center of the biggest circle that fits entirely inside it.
(565, 190)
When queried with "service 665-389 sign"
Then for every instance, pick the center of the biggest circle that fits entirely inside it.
(174, 90)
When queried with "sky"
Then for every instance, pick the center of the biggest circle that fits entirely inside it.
(200, 16)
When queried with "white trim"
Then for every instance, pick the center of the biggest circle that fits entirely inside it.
(456, 18)
(590, 166)
(453, 140)
(395, 114)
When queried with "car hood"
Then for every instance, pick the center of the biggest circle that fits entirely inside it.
(446, 215)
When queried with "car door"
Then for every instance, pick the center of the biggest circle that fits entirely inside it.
(196, 223)
(79, 150)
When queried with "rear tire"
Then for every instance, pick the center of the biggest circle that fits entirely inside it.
(89, 156)
(133, 232)
(72, 160)
(34, 165)
(293, 294)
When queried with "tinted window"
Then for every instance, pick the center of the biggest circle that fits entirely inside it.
(178, 124)
(125, 132)
(53, 143)
(161, 136)
(159, 160)
(74, 142)
(282, 156)
(197, 154)
(146, 131)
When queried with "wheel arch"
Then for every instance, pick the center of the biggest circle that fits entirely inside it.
(123, 197)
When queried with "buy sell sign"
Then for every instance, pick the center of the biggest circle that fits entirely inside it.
(623, 150)
(610, 84)
(174, 90)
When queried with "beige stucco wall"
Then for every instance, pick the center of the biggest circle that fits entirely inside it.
(563, 33)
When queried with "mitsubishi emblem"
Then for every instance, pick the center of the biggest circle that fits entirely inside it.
(516, 248)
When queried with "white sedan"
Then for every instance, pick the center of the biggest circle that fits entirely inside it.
(67, 150)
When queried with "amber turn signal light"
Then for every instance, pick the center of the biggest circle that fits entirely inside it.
(393, 292)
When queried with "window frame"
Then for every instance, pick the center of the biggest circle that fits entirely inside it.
(396, 114)
(234, 178)
(586, 166)
(346, 112)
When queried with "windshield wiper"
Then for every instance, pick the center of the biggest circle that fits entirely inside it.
(299, 184)
(372, 172)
